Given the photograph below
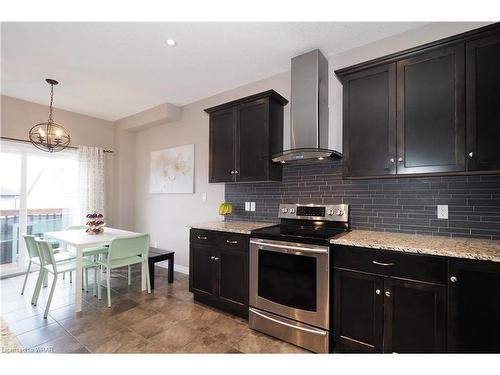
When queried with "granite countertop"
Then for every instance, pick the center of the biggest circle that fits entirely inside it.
(242, 227)
(469, 248)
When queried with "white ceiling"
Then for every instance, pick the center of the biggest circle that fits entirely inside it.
(112, 70)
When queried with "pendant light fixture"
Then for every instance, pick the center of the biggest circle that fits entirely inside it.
(49, 136)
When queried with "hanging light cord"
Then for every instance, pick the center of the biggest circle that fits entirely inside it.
(51, 101)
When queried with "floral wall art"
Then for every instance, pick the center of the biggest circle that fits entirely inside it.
(172, 170)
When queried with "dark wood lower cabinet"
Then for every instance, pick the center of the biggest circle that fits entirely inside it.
(414, 316)
(474, 307)
(218, 270)
(358, 311)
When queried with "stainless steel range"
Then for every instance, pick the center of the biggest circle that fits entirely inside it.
(290, 274)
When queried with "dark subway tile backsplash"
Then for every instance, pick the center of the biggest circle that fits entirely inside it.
(405, 204)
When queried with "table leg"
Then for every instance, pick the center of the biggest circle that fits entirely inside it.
(78, 279)
(171, 269)
(151, 274)
(143, 276)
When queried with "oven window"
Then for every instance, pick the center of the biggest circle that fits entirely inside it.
(288, 279)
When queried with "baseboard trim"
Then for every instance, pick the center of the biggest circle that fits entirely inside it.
(177, 267)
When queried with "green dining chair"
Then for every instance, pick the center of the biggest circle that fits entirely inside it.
(50, 265)
(124, 251)
(34, 257)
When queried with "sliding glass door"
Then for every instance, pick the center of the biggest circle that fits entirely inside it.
(38, 193)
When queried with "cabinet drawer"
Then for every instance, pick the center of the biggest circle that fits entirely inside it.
(390, 263)
(232, 241)
(202, 237)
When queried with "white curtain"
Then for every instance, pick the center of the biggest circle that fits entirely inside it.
(91, 171)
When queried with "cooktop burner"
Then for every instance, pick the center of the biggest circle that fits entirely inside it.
(315, 224)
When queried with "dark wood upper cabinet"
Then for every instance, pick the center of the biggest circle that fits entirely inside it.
(431, 112)
(243, 135)
(414, 316)
(370, 121)
(222, 145)
(473, 307)
(483, 103)
(447, 110)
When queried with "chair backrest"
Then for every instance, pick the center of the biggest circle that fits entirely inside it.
(125, 247)
(46, 253)
(31, 245)
(75, 227)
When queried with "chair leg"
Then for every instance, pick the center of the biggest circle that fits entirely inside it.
(64, 275)
(46, 280)
(26, 277)
(39, 282)
(129, 274)
(86, 280)
(148, 281)
(99, 285)
(94, 289)
(108, 285)
(70, 277)
(50, 296)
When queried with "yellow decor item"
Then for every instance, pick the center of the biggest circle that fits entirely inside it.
(225, 209)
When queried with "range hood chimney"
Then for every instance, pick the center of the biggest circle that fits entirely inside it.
(309, 110)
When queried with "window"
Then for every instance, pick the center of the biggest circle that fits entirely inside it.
(38, 193)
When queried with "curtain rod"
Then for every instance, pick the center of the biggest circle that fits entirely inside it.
(24, 140)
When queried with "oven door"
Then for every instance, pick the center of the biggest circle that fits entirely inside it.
(291, 280)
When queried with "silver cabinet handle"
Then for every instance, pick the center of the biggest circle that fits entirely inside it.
(391, 160)
(400, 159)
(382, 264)
(216, 258)
(453, 279)
(387, 293)
(471, 154)
(201, 237)
(231, 242)
(212, 257)
(377, 292)
(236, 172)
(232, 172)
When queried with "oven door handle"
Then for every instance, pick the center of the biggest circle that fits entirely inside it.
(316, 332)
(298, 248)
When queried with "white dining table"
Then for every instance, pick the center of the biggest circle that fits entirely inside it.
(80, 240)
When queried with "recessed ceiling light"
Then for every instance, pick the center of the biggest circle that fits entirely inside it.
(170, 42)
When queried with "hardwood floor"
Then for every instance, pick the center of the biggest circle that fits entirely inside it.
(165, 321)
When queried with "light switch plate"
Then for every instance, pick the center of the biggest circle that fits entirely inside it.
(442, 211)
(252, 206)
(247, 206)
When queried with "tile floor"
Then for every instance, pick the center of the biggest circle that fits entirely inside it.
(165, 321)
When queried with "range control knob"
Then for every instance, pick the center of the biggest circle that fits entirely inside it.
(292, 210)
(330, 212)
(339, 212)
(284, 210)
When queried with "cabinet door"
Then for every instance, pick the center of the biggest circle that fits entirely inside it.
(252, 155)
(414, 317)
(232, 279)
(202, 271)
(370, 122)
(431, 112)
(474, 307)
(358, 311)
(483, 103)
(222, 145)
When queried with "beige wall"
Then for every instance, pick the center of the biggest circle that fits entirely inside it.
(18, 116)
(166, 216)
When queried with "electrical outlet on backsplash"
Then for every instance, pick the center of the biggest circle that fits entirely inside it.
(403, 204)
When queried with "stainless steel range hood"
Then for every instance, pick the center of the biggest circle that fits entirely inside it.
(309, 110)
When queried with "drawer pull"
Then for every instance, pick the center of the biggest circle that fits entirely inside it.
(453, 279)
(231, 242)
(377, 292)
(202, 237)
(387, 293)
(382, 264)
